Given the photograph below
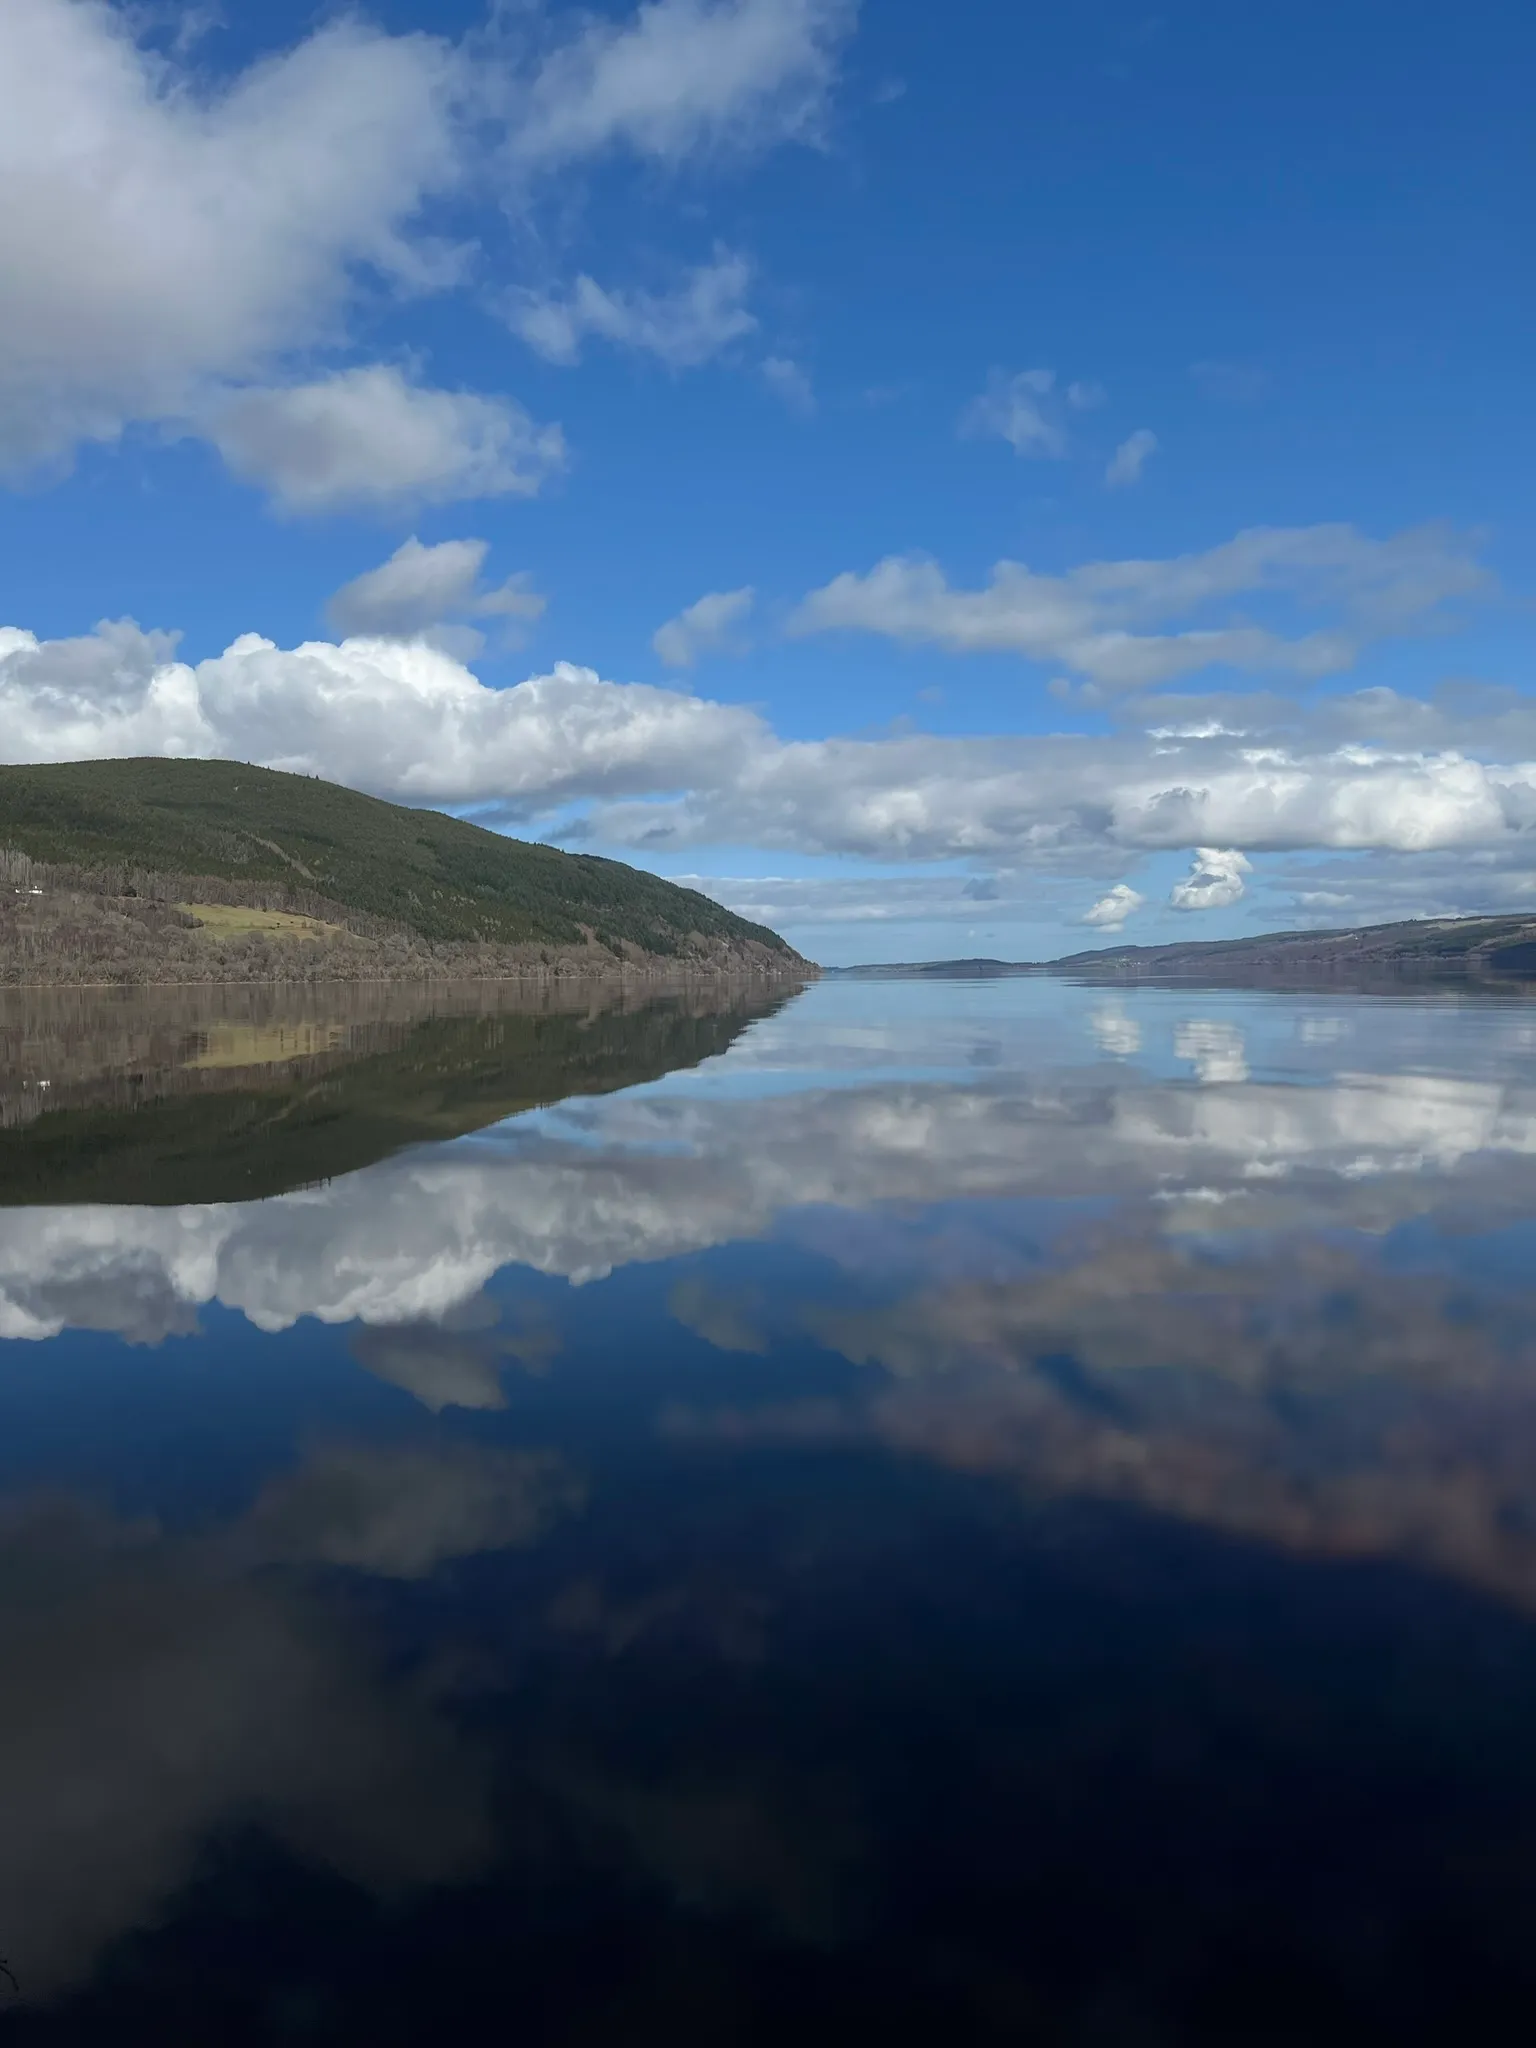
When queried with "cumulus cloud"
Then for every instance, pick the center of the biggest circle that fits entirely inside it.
(370, 438)
(1114, 907)
(1092, 620)
(681, 76)
(399, 717)
(1130, 458)
(168, 237)
(420, 588)
(161, 236)
(660, 769)
(681, 329)
(788, 382)
(1214, 882)
(702, 628)
(1062, 800)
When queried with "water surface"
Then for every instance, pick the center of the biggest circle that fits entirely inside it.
(941, 1511)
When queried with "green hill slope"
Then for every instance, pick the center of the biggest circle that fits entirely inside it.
(323, 845)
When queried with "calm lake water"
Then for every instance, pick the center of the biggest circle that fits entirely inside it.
(949, 1512)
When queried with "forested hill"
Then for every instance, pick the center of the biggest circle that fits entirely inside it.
(316, 848)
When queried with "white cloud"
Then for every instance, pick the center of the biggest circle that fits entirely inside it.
(788, 381)
(1086, 618)
(399, 717)
(703, 628)
(166, 238)
(1018, 410)
(682, 328)
(422, 587)
(369, 438)
(1130, 458)
(1114, 907)
(1027, 411)
(681, 76)
(160, 237)
(662, 770)
(1062, 801)
(1214, 882)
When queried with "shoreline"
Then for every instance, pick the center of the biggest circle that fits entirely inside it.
(807, 972)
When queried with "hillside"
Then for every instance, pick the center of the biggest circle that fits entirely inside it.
(129, 853)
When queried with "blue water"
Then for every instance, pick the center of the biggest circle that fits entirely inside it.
(982, 1512)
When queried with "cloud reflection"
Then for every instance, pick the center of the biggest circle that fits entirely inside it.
(1295, 1391)
(650, 1177)
(156, 1685)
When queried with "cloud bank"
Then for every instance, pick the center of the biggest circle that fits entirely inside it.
(1094, 620)
(655, 768)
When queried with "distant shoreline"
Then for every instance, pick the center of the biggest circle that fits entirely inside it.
(1496, 948)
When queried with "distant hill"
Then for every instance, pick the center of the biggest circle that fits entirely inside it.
(1446, 945)
(137, 829)
(1443, 945)
(936, 970)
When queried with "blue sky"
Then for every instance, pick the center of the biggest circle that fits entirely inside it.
(612, 423)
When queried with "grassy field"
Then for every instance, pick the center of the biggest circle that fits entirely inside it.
(229, 919)
(321, 845)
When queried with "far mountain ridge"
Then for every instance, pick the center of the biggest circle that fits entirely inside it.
(1488, 945)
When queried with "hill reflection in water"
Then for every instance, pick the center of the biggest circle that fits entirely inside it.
(229, 1093)
(986, 1512)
